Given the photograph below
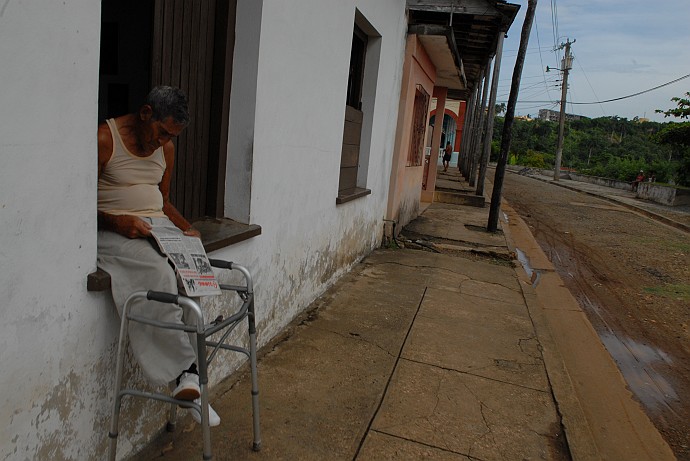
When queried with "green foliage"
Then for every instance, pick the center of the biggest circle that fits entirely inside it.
(610, 147)
(682, 111)
(495, 149)
(622, 169)
(678, 291)
(677, 137)
(533, 159)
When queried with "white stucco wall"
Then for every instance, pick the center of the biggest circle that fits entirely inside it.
(57, 339)
(53, 331)
(307, 240)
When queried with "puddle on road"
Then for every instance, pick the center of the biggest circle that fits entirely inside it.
(505, 217)
(534, 275)
(635, 361)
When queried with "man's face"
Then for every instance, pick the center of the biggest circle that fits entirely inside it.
(155, 133)
(161, 131)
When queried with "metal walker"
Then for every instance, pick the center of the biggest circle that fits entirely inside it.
(203, 331)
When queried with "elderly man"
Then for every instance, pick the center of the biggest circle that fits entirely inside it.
(135, 164)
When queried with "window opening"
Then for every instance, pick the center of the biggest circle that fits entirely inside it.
(421, 109)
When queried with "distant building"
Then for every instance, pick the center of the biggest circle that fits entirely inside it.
(552, 115)
(524, 117)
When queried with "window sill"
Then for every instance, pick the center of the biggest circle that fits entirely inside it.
(219, 233)
(216, 233)
(348, 195)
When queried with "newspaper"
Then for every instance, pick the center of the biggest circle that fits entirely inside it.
(189, 258)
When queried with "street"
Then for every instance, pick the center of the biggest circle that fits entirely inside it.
(631, 275)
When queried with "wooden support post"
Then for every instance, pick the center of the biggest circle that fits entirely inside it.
(492, 225)
(440, 93)
(488, 136)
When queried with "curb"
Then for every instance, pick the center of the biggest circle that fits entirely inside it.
(579, 437)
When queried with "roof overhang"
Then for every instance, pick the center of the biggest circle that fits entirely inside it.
(439, 43)
(460, 37)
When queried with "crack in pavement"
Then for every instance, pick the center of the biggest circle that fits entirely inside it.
(440, 367)
(539, 356)
(472, 458)
(424, 266)
(489, 431)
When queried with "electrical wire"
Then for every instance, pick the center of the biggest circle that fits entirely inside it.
(541, 61)
(635, 94)
(614, 99)
(554, 26)
(590, 86)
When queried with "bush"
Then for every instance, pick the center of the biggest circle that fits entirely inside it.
(533, 159)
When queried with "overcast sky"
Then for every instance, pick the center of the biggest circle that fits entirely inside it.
(621, 48)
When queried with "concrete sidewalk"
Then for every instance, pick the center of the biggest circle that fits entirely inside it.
(448, 354)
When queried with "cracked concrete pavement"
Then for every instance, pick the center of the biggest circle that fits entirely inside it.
(423, 355)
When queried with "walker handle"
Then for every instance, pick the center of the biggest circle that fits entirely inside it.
(161, 296)
(219, 263)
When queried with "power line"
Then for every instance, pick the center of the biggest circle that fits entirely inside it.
(635, 94)
(536, 28)
(614, 99)
(590, 85)
(554, 26)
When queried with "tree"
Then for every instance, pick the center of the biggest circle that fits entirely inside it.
(500, 108)
(677, 135)
(682, 111)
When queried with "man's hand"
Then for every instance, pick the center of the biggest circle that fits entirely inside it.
(127, 225)
(133, 227)
(191, 232)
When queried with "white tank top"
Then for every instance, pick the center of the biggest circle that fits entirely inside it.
(128, 183)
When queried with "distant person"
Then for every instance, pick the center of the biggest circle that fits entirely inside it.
(638, 180)
(446, 156)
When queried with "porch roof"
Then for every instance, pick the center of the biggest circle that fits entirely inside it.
(460, 37)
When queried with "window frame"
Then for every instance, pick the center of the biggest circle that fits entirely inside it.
(420, 115)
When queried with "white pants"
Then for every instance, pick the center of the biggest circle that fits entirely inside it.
(135, 265)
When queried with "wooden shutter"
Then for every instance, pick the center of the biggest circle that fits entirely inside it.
(182, 56)
(349, 160)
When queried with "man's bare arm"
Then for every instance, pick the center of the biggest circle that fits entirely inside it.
(129, 226)
(126, 225)
(168, 208)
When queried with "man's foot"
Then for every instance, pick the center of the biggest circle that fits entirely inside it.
(187, 387)
(213, 418)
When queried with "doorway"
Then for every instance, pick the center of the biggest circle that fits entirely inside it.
(183, 43)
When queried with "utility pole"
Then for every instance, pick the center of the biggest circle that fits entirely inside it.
(566, 65)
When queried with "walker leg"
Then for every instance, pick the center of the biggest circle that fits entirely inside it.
(203, 385)
(172, 413)
(117, 398)
(255, 376)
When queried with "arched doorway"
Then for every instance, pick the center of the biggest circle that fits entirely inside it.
(448, 133)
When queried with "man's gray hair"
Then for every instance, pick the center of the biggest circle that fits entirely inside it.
(168, 101)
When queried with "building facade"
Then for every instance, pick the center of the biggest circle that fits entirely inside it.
(269, 103)
(307, 124)
(554, 115)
